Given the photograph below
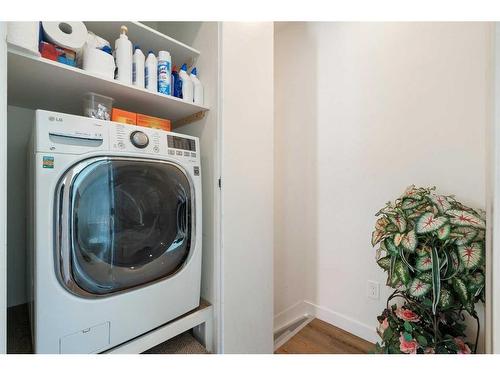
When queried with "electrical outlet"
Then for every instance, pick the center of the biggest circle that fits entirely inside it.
(372, 289)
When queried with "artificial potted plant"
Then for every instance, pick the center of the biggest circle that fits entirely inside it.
(432, 248)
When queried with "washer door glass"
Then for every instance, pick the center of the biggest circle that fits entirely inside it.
(130, 223)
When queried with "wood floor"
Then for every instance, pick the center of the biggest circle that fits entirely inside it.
(319, 337)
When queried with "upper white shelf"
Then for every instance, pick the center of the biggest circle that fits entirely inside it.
(147, 38)
(38, 83)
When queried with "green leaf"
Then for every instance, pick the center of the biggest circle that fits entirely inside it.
(463, 235)
(461, 289)
(387, 334)
(440, 202)
(443, 268)
(389, 245)
(429, 223)
(409, 203)
(475, 283)
(456, 266)
(391, 228)
(471, 255)
(409, 241)
(392, 278)
(470, 308)
(398, 237)
(444, 232)
(422, 340)
(426, 277)
(423, 263)
(481, 234)
(385, 262)
(399, 221)
(421, 251)
(427, 302)
(381, 223)
(407, 336)
(464, 218)
(419, 288)
(414, 214)
(377, 236)
(445, 299)
(408, 326)
(405, 261)
(402, 272)
(436, 280)
(477, 278)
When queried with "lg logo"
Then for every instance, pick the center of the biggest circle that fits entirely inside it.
(57, 119)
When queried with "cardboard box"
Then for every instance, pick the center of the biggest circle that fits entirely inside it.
(56, 53)
(153, 122)
(125, 117)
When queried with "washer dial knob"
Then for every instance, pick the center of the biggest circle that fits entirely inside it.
(139, 139)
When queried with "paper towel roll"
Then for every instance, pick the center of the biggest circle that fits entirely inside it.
(24, 35)
(66, 34)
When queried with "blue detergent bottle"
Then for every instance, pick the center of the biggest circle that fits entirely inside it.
(176, 83)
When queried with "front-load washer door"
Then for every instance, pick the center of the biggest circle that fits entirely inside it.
(122, 223)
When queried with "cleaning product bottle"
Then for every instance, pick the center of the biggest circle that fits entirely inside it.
(164, 71)
(197, 88)
(138, 68)
(176, 86)
(151, 72)
(123, 56)
(187, 84)
(172, 80)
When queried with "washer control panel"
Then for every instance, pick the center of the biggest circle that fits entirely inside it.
(139, 139)
(130, 138)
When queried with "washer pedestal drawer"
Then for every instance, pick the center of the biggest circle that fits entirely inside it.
(88, 340)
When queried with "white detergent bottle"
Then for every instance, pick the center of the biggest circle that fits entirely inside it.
(164, 72)
(197, 88)
(123, 56)
(138, 68)
(187, 84)
(151, 72)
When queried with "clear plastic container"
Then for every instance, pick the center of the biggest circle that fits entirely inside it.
(97, 106)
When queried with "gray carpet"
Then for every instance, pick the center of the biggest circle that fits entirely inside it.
(19, 337)
(185, 343)
(18, 330)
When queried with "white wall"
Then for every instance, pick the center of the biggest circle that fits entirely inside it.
(20, 124)
(204, 36)
(3, 188)
(493, 250)
(247, 186)
(390, 104)
(295, 173)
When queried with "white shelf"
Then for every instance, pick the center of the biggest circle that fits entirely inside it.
(200, 319)
(38, 83)
(147, 38)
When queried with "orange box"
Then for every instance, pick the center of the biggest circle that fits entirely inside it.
(125, 117)
(153, 122)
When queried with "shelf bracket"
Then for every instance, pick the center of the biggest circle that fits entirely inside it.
(189, 119)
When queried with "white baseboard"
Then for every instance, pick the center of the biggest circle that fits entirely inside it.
(292, 314)
(341, 321)
(303, 308)
(289, 333)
